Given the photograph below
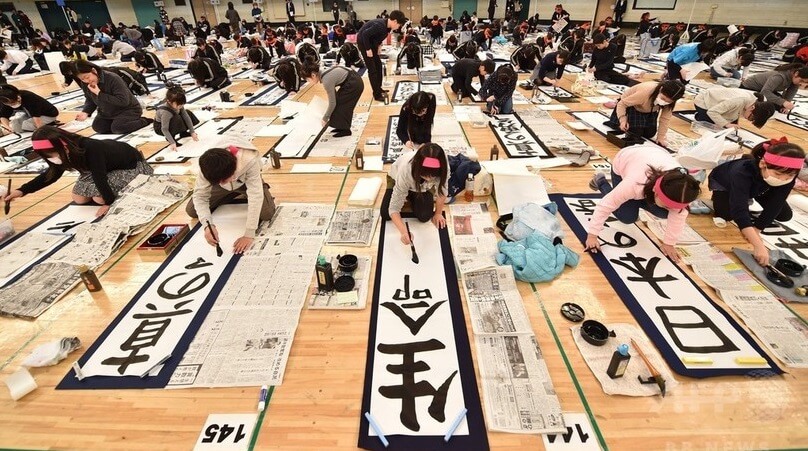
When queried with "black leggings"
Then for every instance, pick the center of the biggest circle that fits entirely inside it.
(722, 208)
(614, 77)
(119, 125)
(422, 205)
(675, 72)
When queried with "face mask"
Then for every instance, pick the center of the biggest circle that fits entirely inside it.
(55, 160)
(774, 181)
(661, 102)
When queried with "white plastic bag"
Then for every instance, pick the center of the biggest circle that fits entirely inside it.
(706, 152)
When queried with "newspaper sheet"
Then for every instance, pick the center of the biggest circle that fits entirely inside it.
(92, 245)
(495, 305)
(246, 337)
(38, 289)
(22, 252)
(473, 237)
(519, 396)
(782, 332)
(353, 227)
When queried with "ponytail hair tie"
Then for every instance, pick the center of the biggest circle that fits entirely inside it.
(774, 142)
(233, 150)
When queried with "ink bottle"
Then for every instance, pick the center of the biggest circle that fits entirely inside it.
(469, 191)
(325, 275)
(89, 278)
(360, 159)
(276, 158)
(620, 358)
(494, 153)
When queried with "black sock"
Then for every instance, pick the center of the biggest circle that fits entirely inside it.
(341, 133)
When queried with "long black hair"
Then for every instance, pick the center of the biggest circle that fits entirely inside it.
(418, 171)
(65, 143)
(287, 74)
(673, 89)
(418, 102)
(9, 94)
(677, 184)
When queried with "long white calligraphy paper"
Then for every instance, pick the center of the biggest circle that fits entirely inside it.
(516, 138)
(419, 372)
(680, 318)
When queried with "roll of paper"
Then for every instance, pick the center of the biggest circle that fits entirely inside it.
(799, 201)
(20, 384)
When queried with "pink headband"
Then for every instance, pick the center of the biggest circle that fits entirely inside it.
(667, 201)
(783, 161)
(431, 162)
(42, 144)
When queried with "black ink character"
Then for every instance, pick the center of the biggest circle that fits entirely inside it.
(644, 273)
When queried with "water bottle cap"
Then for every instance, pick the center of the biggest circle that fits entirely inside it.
(623, 349)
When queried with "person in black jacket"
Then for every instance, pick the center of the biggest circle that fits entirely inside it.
(134, 80)
(497, 90)
(575, 46)
(118, 111)
(259, 57)
(274, 45)
(526, 57)
(35, 110)
(415, 58)
(765, 41)
(350, 54)
(767, 175)
(467, 49)
(288, 74)
(619, 10)
(463, 73)
(550, 69)
(415, 120)
(242, 42)
(208, 73)
(602, 63)
(369, 39)
(203, 50)
(483, 38)
(451, 44)
(105, 166)
(148, 62)
(558, 14)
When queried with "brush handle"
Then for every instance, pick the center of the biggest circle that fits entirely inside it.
(645, 360)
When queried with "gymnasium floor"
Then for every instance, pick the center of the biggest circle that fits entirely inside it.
(318, 405)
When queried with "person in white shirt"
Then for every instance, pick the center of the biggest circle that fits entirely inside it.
(127, 51)
(724, 106)
(16, 62)
(732, 63)
(415, 176)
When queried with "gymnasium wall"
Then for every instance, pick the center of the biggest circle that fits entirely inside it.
(774, 13)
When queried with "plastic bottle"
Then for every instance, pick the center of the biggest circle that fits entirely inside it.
(620, 358)
(469, 191)
(89, 278)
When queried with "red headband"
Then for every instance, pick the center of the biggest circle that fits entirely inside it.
(431, 162)
(233, 150)
(781, 160)
(42, 144)
(667, 201)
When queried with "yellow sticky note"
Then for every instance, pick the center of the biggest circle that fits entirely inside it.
(697, 360)
(750, 361)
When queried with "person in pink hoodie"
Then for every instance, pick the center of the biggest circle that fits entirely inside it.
(648, 177)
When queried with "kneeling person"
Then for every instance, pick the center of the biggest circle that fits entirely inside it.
(225, 174)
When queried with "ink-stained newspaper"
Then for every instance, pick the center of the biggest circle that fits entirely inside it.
(495, 305)
(782, 332)
(246, 338)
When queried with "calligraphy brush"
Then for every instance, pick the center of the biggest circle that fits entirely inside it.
(7, 207)
(412, 245)
(655, 374)
(219, 250)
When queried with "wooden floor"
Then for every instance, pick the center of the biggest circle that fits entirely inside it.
(318, 405)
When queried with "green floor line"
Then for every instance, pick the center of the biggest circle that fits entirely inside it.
(260, 421)
(589, 413)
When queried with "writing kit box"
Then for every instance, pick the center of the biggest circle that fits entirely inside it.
(165, 238)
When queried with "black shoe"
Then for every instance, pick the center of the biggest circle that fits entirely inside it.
(341, 133)
(379, 98)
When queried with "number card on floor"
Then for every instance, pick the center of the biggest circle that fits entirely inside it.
(226, 432)
(579, 435)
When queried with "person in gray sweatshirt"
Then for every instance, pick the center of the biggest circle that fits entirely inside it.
(344, 87)
(106, 94)
(173, 120)
(779, 85)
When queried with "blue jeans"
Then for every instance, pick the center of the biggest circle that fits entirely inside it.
(507, 107)
(629, 212)
(735, 74)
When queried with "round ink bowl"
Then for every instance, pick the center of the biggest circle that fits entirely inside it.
(344, 284)
(779, 279)
(789, 267)
(158, 240)
(595, 333)
(348, 263)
